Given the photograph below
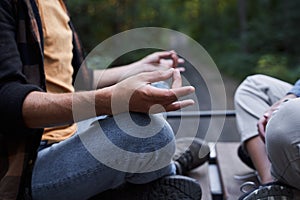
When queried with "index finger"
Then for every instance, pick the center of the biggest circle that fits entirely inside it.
(261, 128)
(175, 58)
(176, 79)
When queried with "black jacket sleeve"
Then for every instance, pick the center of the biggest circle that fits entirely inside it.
(13, 84)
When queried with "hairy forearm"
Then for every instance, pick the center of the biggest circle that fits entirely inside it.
(46, 110)
(132, 94)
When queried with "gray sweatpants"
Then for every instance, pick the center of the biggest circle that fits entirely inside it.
(253, 97)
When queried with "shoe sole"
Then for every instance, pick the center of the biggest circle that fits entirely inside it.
(271, 193)
(175, 187)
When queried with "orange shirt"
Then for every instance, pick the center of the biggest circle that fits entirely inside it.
(57, 58)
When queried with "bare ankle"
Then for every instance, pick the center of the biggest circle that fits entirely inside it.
(266, 180)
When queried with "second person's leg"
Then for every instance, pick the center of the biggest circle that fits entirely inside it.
(253, 97)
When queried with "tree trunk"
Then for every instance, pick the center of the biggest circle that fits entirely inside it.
(242, 11)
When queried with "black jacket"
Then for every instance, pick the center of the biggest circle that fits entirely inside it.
(22, 71)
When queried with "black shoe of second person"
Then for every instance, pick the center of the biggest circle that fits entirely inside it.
(190, 153)
(174, 187)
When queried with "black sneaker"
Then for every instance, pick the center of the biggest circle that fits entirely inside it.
(270, 191)
(244, 156)
(190, 153)
(167, 188)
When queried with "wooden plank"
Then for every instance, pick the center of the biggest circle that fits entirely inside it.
(201, 174)
(214, 174)
(231, 167)
(215, 182)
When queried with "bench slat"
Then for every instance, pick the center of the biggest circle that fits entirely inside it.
(202, 175)
(230, 166)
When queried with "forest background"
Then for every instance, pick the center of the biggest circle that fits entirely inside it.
(243, 37)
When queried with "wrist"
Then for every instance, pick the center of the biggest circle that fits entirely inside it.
(289, 97)
(131, 70)
(103, 101)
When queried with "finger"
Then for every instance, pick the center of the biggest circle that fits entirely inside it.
(170, 54)
(179, 105)
(166, 62)
(181, 69)
(161, 55)
(267, 115)
(180, 61)
(260, 126)
(155, 76)
(261, 129)
(177, 81)
(168, 96)
(174, 58)
(157, 108)
(183, 91)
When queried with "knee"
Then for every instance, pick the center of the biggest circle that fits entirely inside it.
(256, 79)
(157, 143)
(283, 129)
(153, 130)
(141, 133)
(248, 85)
(142, 143)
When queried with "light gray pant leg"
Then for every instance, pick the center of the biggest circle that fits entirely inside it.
(283, 143)
(252, 98)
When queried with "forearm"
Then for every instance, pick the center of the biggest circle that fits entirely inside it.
(42, 109)
(111, 76)
(157, 61)
(133, 94)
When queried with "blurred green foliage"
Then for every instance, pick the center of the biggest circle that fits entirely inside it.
(243, 37)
